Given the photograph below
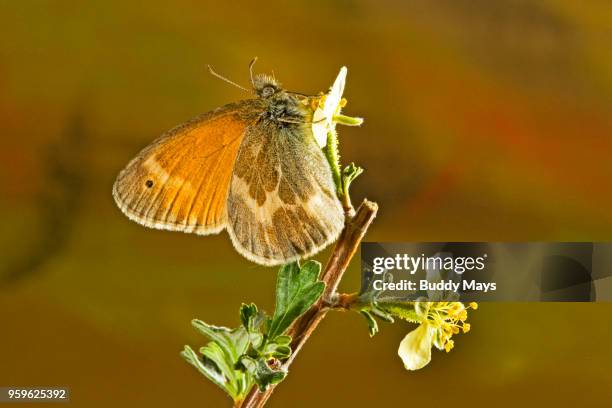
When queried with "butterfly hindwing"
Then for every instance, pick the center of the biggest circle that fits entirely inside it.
(282, 204)
(180, 182)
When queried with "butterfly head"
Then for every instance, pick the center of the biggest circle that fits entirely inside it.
(266, 86)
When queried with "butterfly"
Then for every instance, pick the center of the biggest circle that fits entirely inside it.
(253, 168)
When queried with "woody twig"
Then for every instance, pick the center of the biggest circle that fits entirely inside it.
(355, 228)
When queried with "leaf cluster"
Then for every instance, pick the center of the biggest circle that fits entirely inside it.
(253, 353)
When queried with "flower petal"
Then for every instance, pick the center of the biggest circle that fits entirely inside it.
(415, 348)
(319, 130)
(324, 115)
(332, 102)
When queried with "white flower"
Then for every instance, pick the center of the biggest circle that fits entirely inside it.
(329, 107)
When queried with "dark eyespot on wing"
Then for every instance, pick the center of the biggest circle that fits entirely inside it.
(180, 182)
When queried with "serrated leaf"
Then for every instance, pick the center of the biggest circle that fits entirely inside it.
(220, 356)
(286, 275)
(263, 374)
(296, 290)
(248, 314)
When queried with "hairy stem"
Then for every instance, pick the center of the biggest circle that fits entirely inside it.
(355, 227)
(333, 158)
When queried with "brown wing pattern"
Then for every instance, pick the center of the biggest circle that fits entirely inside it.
(180, 182)
(282, 204)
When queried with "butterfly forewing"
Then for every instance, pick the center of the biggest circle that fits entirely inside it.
(282, 204)
(180, 182)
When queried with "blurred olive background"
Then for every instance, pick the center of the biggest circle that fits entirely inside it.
(485, 120)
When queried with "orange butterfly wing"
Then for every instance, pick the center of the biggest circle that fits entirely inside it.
(180, 182)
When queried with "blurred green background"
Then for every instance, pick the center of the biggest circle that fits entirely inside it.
(485, 120)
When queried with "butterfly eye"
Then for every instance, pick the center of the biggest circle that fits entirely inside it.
(267, 91)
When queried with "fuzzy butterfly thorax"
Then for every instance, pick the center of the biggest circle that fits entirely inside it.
(251, 167)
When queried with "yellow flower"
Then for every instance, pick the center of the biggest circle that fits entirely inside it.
(439, 322)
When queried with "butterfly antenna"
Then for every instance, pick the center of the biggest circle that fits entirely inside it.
(251, 70)
(221, 77)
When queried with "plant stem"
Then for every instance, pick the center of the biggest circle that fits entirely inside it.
(344, 301)
(355, 227)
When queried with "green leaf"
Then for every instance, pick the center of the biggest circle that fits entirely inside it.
(283, 340)
(213, 353)
(233, 342)
(263, 374)
(252, 320)
(236, 359)
(209, 370)
(248, 316)
(278, 348)
(349, 174)
(381, 314)
(296, 290)
(388, 311)
(220, 356)
(256, 339)
(372, 324)
(275, 350)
